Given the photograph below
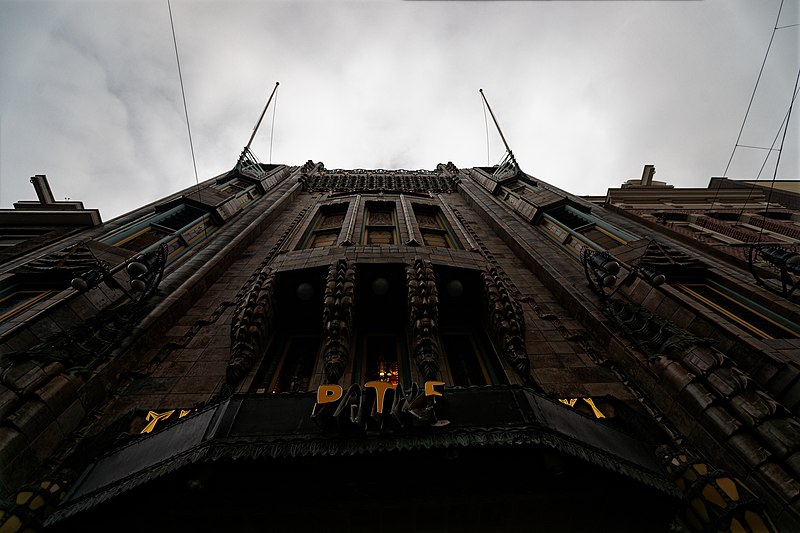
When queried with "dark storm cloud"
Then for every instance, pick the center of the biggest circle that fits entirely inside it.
(586, 92)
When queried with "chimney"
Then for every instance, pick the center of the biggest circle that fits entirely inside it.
(43, 191)
(647, 175)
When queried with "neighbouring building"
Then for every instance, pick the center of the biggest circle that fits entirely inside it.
(297, 348)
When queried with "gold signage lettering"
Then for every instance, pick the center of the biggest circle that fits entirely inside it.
(572, 401)
(184, 412)
(595, 410)
(328, 393)
(429, 388)
(154, 418)
(380, 391)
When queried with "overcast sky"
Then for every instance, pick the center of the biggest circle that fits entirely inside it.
(586, 92)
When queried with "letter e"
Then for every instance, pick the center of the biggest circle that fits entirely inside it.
(429, 388)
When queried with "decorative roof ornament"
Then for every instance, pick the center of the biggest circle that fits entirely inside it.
(508, 167)
(247, 164)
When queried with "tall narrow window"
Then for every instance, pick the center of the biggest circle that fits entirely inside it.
(434, 228)
(468, 356)
(380, 223)
(325, 227)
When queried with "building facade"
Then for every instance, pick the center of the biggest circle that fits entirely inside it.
(459, 349)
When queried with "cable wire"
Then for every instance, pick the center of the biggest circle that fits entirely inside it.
(486, 122)
(749, 105)
(753, 95)
(185, 109)
(766, 158)
(780, 150)
(272, 130)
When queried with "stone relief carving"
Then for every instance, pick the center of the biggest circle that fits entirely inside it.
(423, 306)
(316, 178)
(252, 324)
(506, 322)
(337, 316)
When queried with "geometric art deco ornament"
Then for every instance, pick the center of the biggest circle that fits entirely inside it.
(506, 322)
(337, 319)
(423, 307)
(252, 324)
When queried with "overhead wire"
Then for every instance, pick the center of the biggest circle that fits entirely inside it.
(747, 112)
(186, 113)
(486, 122)
(272, 130)
(766, 158)
(753, 95)
(183, 95)
(780, 150)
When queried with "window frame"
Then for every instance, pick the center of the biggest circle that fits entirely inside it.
(367, 225)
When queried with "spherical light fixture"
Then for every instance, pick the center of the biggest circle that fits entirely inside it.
(305, 291)
(455, 288)
(380, 286)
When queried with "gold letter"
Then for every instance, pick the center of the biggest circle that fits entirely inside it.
(429, 388)
(328, 393)
(154, 417)
(595, 410)
(380, 391)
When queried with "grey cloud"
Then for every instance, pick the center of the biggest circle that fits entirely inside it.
(586, 92)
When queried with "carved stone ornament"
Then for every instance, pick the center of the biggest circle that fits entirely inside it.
(423, 307)
(252, 324)
(85, 346)
(506, 322)
(651, 333)
(337, 316)
(316, 178)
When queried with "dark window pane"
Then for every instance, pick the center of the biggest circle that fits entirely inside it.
(465, 364)
(297, 365)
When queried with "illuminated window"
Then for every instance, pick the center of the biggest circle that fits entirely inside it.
(325, 227)
(180, 228)
(434, 228)
(380, 223)
(748, 315)
(382, 360)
